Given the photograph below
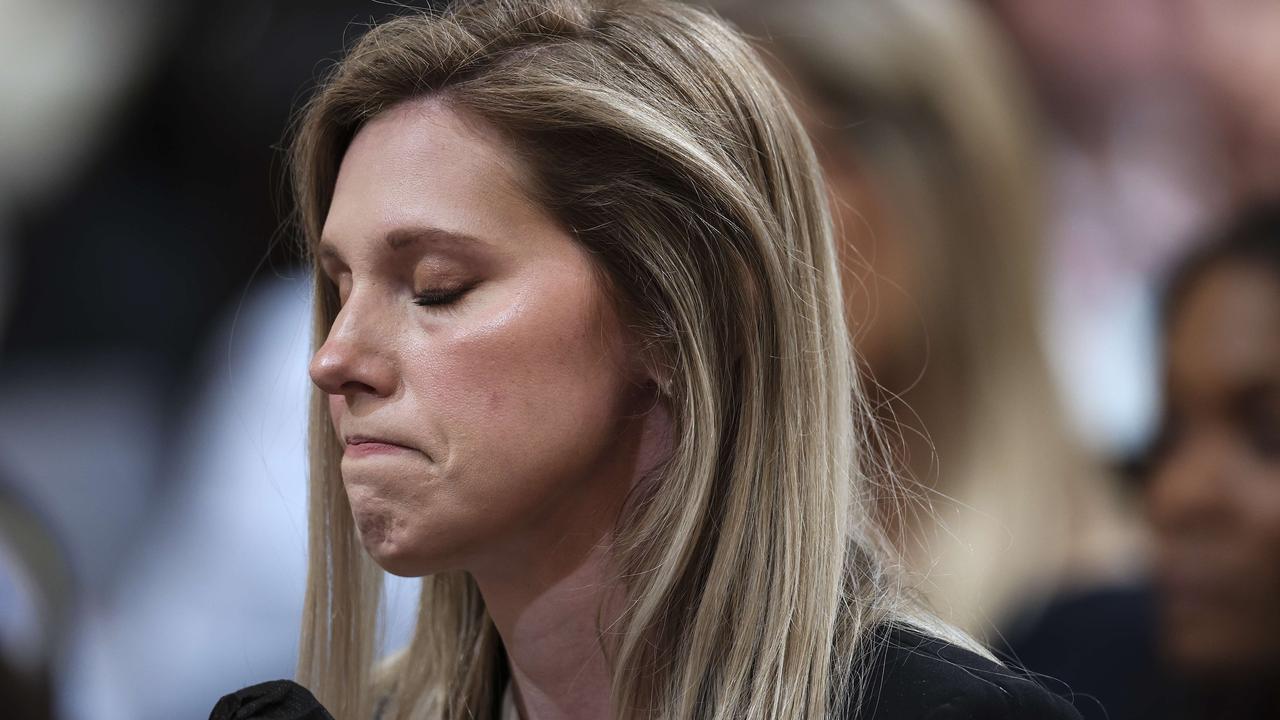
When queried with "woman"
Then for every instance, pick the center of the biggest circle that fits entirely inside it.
(582, 367)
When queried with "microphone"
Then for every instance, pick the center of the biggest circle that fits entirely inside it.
(274, 700)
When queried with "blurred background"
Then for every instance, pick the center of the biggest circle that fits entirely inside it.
(1060, 236)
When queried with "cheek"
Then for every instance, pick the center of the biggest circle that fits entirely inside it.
(525, 406)
(1244, 629)
(1260, 510)
(531, 386)
(336, 405)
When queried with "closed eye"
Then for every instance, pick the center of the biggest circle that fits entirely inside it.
(439, 297)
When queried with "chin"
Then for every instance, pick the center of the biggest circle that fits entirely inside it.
(394, 561)
(405, 561)
(401, 566)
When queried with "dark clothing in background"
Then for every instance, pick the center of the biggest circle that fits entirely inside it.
(1104, 645)
(1101, 643)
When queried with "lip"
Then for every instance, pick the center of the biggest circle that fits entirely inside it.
(363, 446)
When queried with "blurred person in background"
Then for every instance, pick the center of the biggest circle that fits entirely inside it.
(1165, 122)
(1202, 640)
(1213, 489)
(930, 147)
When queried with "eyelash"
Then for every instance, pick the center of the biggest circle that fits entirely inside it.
(438, 298)
(434, 298)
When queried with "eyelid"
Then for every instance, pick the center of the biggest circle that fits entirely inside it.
(441, 297)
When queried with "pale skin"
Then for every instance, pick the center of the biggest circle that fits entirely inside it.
(475, 340)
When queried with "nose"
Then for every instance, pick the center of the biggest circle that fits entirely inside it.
(353, 359)
(1190, 492)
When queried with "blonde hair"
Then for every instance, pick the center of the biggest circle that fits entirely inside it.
(933, 114)
(751, 562)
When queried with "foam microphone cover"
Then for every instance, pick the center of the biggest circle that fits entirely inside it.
(275, 700)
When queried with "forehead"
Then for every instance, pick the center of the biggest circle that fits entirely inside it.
(423, 164)
(1227, 330)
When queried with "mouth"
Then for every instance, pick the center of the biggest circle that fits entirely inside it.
(363, 446)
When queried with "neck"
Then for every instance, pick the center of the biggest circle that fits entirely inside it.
(552, 592)
(550, 627)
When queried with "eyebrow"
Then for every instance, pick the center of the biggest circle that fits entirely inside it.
(401, 238)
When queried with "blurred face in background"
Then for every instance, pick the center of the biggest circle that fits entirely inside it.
(476, 371)
(1214, 498)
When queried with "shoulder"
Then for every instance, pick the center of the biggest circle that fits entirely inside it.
(913, 676)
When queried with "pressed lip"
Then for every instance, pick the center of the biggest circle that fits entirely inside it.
(364, 439)
(365, 445)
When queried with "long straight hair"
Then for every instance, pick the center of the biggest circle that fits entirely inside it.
(751, 561)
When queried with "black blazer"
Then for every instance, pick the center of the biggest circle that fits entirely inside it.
(913, 677)
(917, 677)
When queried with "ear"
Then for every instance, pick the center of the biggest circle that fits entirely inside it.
(654, 368)
(661, 379)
